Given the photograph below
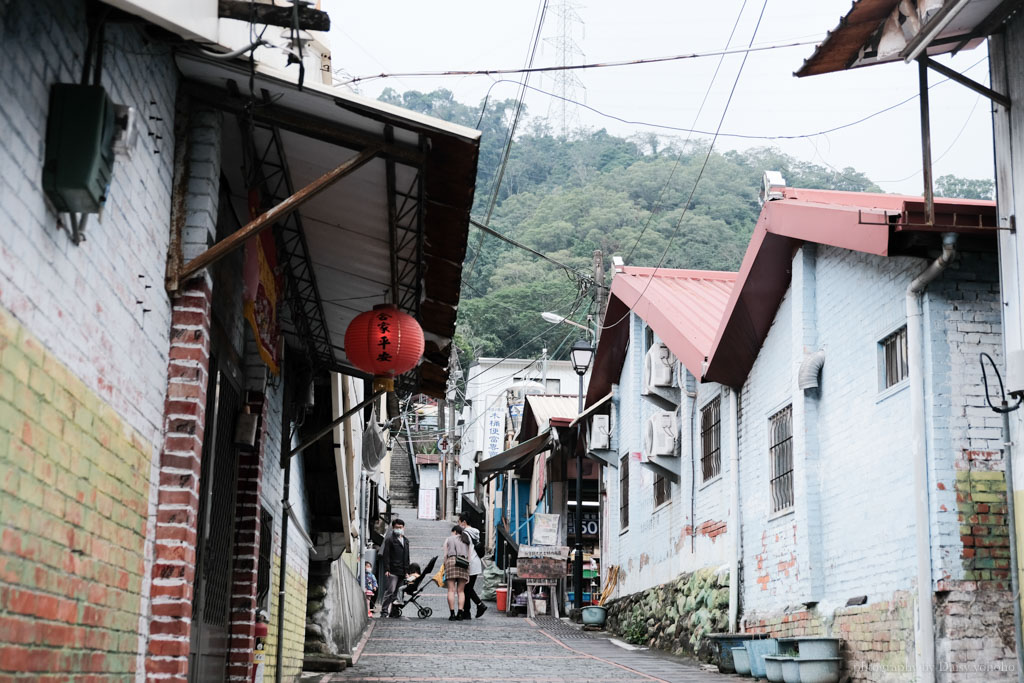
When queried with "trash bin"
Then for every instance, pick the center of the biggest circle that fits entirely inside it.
(501, 595)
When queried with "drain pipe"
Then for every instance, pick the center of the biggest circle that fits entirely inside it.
(734, 511)
(925, 636)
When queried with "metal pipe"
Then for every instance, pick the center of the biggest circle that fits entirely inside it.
(279, 658)
(807, 378)
(925, 633)
(734, 512)
(577, 566)
(278, 212)
(1014, 578)
(926, 143)
(334, 423)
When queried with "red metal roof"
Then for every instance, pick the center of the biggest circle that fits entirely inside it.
(683, 307)
(850, 220)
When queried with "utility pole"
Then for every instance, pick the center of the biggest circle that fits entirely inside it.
(600, 300)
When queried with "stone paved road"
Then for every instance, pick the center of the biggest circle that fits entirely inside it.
(496, 647)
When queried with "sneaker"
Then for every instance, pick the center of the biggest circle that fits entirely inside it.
(480, 609)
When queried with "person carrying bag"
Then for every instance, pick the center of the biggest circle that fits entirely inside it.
(456, 571)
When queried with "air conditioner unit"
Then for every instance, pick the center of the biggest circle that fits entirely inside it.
(659, 364)
(660, 435)
(599, 434)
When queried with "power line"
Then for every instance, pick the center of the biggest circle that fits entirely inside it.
(567, 268)
(573, 67)
(511, 133)
(700, 173)
(741, 136)
(682, 149)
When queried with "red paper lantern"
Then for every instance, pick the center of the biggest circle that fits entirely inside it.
(384, 342)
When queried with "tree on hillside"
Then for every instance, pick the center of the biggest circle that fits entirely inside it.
(964, 188)
(567, 196)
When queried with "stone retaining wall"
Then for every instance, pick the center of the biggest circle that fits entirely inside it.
(675, 616)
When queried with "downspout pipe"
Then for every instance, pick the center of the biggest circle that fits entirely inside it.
(810, 368)
(925, 635)
(734, 511)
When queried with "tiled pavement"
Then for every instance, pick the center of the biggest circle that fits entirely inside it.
(496, 647)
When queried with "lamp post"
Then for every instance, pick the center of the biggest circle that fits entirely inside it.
(556, 319)
(581, 354)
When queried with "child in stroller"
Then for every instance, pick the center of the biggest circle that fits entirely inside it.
(411, 589)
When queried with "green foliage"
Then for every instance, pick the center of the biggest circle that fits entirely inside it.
(964, 188)
(635, 631)
(568, 196)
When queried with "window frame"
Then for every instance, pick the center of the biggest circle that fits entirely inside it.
(662, 485)
(780, 456)
(624, 492)
(886, 356)
(712, 457)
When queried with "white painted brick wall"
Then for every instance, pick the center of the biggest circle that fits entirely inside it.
(657, 546)
(81, 301)
(865, 474)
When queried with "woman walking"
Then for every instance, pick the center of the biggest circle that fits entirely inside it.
(476, 568)
(456, 571)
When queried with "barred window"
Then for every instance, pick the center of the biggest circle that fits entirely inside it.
(711, 439)
(624, 492)
(781, 456)
(892, 353)
(661, 490)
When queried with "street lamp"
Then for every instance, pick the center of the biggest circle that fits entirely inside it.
(556, 319)
(581, 353)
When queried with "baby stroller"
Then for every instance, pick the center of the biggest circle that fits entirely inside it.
(411, 590)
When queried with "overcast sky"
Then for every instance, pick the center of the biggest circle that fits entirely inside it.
(412, 35)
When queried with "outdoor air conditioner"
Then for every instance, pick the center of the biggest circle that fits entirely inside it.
(660, 435)
(599, 436)
(658, 367)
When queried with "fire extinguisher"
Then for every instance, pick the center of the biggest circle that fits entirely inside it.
(259, 648)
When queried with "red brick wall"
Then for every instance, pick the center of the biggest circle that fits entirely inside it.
(178, 497)
(74, 482)
(247, 548)
(877, 640)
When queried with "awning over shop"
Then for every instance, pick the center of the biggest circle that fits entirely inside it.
(593, 408)
(393, 229)
(514, 457)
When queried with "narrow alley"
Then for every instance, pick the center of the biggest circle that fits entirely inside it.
(496, 647)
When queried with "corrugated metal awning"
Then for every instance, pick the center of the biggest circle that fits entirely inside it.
(514, 457)
(393, 231)
(875, 32)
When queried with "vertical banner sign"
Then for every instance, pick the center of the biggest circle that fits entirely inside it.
(262, 290)
(494, 438)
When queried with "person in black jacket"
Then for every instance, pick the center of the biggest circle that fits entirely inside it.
(394, 562)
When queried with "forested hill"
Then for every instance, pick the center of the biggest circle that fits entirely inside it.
(567, 197)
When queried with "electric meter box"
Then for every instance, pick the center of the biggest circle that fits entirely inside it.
(79, 147)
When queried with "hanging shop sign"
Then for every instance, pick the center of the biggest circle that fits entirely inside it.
(262, 292)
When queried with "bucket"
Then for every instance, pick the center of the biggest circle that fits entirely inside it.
(501, 595)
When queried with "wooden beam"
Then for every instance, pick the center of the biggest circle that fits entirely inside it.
(267, 219)
(274, 15)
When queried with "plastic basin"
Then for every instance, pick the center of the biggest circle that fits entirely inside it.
(791, 671)
(756, 651)
(594, 615)
(773, 667)
(819, 669)
(818, 648)
(740, 660)
(725, 643)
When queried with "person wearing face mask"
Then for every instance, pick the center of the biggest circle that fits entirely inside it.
(395, 563)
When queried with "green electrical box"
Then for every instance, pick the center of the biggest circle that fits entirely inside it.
(79, 147)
